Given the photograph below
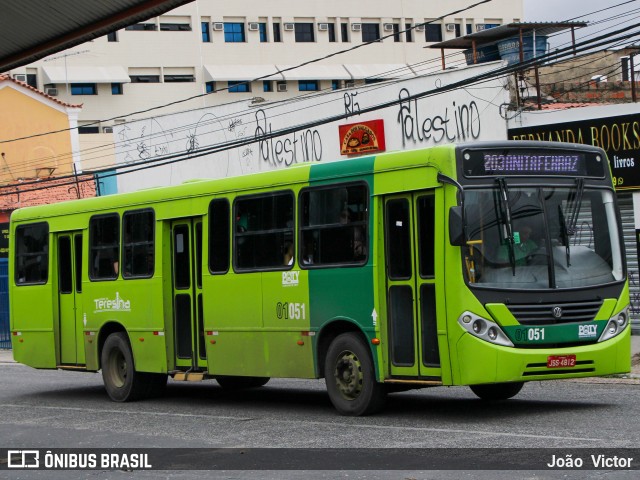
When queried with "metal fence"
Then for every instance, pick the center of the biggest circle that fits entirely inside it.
(5, 333)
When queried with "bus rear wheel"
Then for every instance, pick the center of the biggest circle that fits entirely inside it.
(350, 377)
(122, 382)
(239, 383)
(497, 391)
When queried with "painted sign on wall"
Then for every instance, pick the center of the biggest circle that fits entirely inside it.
(239, 138)
(363, 137)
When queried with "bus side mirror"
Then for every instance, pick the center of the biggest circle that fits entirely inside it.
(456, 227)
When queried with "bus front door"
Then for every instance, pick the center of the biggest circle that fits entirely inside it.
(411, 288)
(186, 253)
(70, 324)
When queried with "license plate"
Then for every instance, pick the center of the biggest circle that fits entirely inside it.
(560, 361)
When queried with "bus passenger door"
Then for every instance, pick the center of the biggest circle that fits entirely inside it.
(70, 326)
(186, 253)
(411, 288)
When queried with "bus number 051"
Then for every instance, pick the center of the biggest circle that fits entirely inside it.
(291, 311)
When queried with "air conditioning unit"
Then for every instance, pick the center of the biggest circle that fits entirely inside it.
(356, 27)
(419, 27)
(52, 92)
(388, 27)
(323, 27)
(349, 84)
(20, 77)
(451, 27)
(289, 27)
(254, 27)
(282, 87)
(480, 27)
(107, 129)
(218, 26)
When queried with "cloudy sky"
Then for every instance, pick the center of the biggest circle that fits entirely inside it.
(599, 13)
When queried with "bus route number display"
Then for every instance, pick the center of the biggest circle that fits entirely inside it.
(478, 163)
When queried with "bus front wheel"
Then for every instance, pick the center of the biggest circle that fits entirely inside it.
(350, 377)
(122, 382)
(497, 391)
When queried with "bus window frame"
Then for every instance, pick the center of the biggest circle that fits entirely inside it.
(48, 249)
(90, 258)
(365, 225)
(229, 236)
(234, 249)
(123, 244)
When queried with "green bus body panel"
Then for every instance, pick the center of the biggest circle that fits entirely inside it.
(272, 323)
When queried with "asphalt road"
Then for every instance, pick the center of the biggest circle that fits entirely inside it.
(55, 409)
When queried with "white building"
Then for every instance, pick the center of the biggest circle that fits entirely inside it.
(209, 46)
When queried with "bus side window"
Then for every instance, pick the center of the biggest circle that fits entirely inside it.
(32, 254)
(334, 225)
(104, 246)
(138, 243)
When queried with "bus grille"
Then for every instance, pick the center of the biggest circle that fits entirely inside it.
(543, 313)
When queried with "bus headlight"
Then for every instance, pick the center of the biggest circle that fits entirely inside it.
(616, 325)
(484, 329)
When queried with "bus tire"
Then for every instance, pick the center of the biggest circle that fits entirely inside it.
(350, 377)
(497, 391)
(229, 382)
(122, 382)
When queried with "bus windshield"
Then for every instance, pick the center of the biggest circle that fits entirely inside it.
(541, 237)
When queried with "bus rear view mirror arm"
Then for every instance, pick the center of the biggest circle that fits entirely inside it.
(457, 227)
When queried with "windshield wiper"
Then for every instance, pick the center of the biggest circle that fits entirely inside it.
(505, 213)
(573, 209)
(565, 234)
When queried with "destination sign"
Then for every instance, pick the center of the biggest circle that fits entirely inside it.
(480, 163)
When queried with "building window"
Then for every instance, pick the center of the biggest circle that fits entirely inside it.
(267, 86)
(206, 33)
(433, 32)
(210, 87)
(234, 32)
(370, 32)
(84, 89)
(335, 84)
(145, 78)
(408, 32)
(396, 32)
(458, 30)
(104, 247)
(32, 254)
(304, 32)
(491, 25)
(112, 37)
(32, 80)
(344, 32)
(138, 257)
(334, 225)
(238, 87)
(332, 32)
(179, 78)
(89, 129)
(263, 237)
(175, 27)
(307, 85)
(262, 28)
(276, 33)
(149, 27)
(116, 89)
(469, 29)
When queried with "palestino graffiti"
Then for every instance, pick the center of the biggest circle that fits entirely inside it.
(298, 147)
(459, 122)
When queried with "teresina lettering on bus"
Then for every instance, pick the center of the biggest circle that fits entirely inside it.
(531, 163)
(112, 305)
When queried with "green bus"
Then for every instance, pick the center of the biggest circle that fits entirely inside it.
(479, 264)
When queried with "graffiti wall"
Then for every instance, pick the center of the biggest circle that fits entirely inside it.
(246, 137)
